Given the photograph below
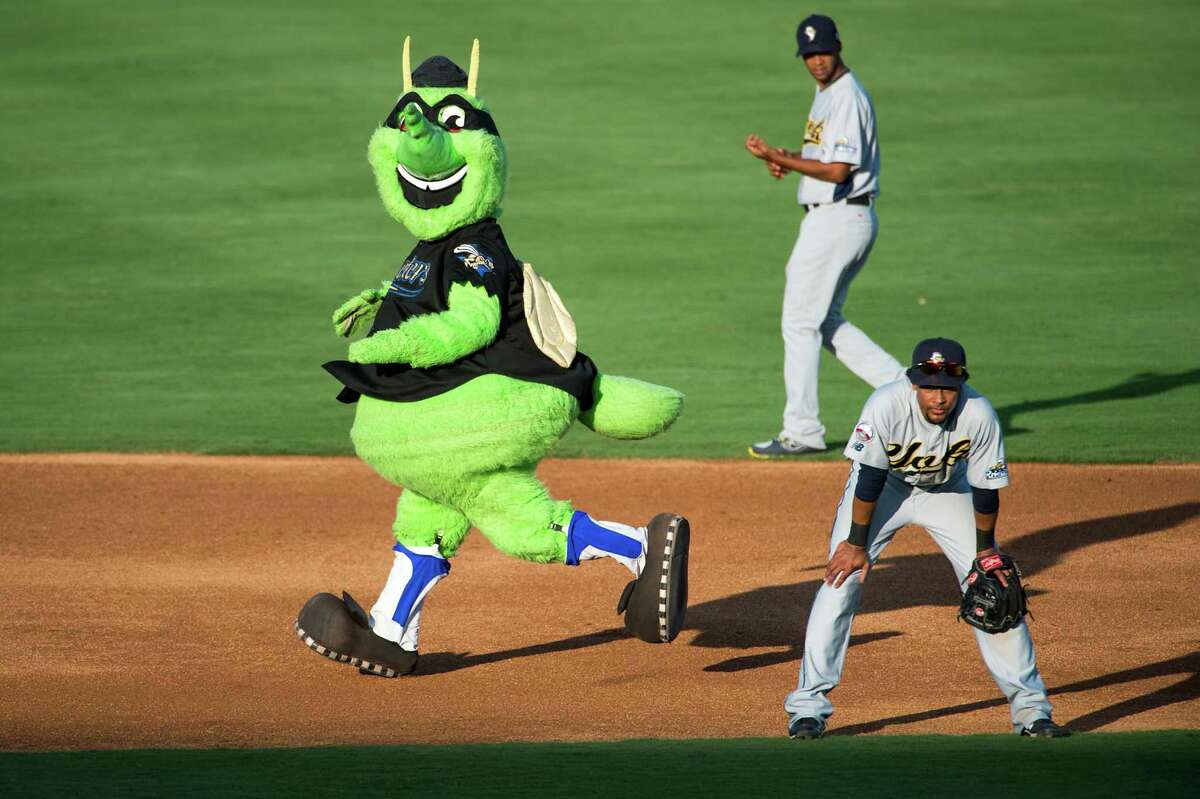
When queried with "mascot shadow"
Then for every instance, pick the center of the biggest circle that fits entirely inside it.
(775, 616)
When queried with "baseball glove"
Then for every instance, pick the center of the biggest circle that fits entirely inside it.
(989, 605)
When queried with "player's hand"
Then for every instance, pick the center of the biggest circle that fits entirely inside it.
(1001, 574)
(777, 170)
(846, 560)
(757, 147)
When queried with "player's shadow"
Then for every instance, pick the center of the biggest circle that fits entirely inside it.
(1139, 386)
(775, 616)
(1184, 690)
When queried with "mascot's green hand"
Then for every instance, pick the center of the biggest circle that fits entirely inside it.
(356, 313)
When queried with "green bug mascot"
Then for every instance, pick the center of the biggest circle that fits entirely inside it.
(467, 376)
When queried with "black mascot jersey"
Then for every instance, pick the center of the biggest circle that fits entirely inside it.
(479, 255)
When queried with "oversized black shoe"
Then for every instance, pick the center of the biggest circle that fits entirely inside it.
(656, 602)
(339, 629)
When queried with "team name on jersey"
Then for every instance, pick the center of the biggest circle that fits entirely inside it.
(411, 278)
(904, 458)
(812, 131)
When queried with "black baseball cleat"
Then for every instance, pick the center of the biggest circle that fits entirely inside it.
(656, 602)
(339, 630)
(1045, 728)
(806, 729)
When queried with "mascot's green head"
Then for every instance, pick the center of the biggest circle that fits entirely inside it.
(438, 158)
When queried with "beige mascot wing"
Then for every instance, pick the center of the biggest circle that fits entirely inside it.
(550, 323)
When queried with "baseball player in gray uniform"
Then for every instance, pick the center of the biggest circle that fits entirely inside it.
(929, 451)
(839, 164)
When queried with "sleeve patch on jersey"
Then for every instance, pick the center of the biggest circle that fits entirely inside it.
(999, 471)
(474, 258)
(863, 433)
(844, 146)
(858, 446)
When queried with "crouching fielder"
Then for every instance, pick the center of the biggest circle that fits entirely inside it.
(927, 451)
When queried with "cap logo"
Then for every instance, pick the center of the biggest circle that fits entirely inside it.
(810, 32)
(937, 357)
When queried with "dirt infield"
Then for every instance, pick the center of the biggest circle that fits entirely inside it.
(148, 602)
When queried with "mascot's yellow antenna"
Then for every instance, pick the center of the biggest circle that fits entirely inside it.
(407, 63)
(473, 74)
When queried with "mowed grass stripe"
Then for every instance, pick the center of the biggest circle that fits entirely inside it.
(186, 200)
(1159, 764)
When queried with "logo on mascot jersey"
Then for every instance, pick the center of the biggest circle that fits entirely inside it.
(411, 278)
(473, 258)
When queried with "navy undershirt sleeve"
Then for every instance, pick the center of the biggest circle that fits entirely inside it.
(985, 500)
(870, 482)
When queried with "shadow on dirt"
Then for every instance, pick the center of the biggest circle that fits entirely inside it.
(443, 662)
(1182, 691)
(791, 655)
(775, 616)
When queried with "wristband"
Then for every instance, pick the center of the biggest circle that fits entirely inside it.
(858, 535)
(984, 539)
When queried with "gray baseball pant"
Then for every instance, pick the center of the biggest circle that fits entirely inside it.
(949, 516)
(830, 251)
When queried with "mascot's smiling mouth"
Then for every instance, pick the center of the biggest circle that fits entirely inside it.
(424, 193)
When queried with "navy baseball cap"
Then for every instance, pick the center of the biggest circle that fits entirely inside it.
(817, 34)
(938, 362)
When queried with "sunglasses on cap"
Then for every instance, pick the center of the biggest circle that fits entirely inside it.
(949, 367)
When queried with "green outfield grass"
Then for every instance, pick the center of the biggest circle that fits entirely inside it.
(185, 199)
(1159, 765)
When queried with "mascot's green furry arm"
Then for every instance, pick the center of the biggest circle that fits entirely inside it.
(467, 377)
(437, 338)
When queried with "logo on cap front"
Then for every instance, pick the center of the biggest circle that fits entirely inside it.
(810, 32)
(937, 357)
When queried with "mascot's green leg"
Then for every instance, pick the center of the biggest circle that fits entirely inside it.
(421, 522)
(516, 513)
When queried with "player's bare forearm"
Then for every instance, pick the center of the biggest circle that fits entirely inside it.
(862, 511)
(835, 172)
(985, 541)
(985, 532)
(851, 557)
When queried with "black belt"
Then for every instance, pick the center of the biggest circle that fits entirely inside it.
(862, 199)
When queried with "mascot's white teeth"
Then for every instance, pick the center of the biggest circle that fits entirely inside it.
(431, 185)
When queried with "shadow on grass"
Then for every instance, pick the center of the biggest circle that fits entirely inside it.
(1141, 385)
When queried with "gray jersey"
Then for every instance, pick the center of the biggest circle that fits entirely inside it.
(893, 434)
(841, 129)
